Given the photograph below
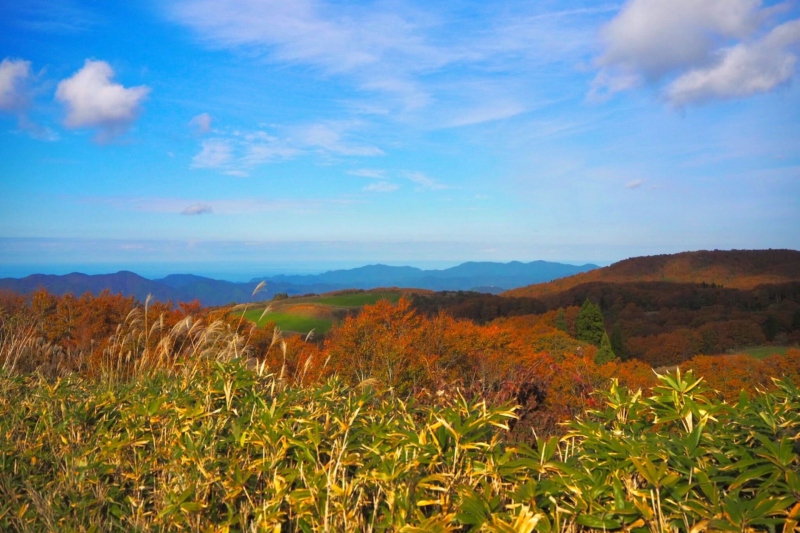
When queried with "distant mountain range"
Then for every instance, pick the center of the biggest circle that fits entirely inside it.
(735, 269)
(480, 276)
(490, 277)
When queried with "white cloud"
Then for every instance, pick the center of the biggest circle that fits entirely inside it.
(237, 173)
(197, 209)
(259, 153)
(634, 184)
(655, 37)
(215, 153)
(496, 111)
(92, 100)
(744, 70)
(368, 173)
(16, 96)
(703, 49)
(238, 151)
(14, 75)
(329, 138)
(381, 186)
(424, 182)
(201, 123)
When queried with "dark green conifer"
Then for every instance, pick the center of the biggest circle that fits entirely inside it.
(771, 327)
(605, 354)
(618, 343)
(561, 320)
(589, 326)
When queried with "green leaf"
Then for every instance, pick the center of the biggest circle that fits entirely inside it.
(751, 474)
(598, 522)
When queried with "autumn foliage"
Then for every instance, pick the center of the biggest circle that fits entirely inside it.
(533, 360)
(551, 375)
(741, 269)
(729, 375)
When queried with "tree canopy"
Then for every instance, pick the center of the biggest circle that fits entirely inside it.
(589, 325)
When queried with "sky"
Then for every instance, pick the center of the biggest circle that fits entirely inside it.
(265, 136)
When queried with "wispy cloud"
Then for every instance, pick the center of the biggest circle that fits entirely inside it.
(496, 111)
(92, 100)
(413, 56)
(634, 184)
(198, 209)
(424, 182)
(236, 173)
(37, 131)
(381, 186)
(237, 153)
(354, 39)
(383, 181)
(201, 123)
(329, 138)
(368, 173)
(223, 207)
(16, 97)
(214, 153)
(51, 16)
(14, 91)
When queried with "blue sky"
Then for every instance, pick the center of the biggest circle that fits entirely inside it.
(254, 136)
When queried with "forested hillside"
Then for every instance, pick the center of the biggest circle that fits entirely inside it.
(659, 323)
(741, 269)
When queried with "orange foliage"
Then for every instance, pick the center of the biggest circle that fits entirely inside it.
(293, 359)
(665, 349)
(541, 335)
(524, 360)
(377, 344)
(521, 359)
(574, 380)
(730, 374)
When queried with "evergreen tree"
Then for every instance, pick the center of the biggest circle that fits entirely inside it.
(589, 326)
(617, 343)
(605, 354)
(771, 327)
(561, 320)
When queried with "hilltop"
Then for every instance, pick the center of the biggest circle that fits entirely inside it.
(737, 269)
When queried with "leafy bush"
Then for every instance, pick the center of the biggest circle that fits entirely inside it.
(224, 448)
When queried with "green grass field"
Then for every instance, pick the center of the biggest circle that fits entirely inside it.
(357, 299)
(289, 322)
(301, 323)
(762, 352)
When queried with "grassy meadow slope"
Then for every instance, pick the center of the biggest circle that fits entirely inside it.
(317, 313)
(740, 269)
